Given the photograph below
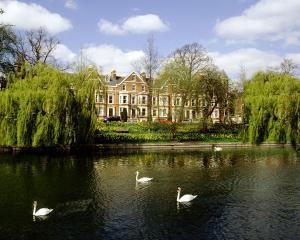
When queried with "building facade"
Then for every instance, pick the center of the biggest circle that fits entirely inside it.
(131, 94)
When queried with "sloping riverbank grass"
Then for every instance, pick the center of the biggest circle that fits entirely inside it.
(119, 132)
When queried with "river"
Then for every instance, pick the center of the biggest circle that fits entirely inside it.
(242, 194)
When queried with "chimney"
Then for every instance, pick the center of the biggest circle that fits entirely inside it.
(113, 75)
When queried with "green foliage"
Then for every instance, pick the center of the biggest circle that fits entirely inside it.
(48, 107)
(272, 108)
(144, 132)
(205, 85)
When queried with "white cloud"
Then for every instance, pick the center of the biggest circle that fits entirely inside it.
(137, 25)
(251, 58)
(110, 28)
(64, 54)
(110, 57)
(269, 20)
(295, 57)
(32, 17)
(71, 4)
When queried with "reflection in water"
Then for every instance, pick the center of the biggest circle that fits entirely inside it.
(242, 194)
(39, 218)
(142, 185)
(183, 205)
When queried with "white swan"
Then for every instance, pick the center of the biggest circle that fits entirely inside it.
(217, 149)
(40, 212)
(184, 198)
(142, 180)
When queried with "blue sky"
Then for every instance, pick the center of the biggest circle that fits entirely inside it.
(112, 34)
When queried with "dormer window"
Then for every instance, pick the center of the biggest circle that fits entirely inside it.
(123, 87)
(133, 87)
(143, 88)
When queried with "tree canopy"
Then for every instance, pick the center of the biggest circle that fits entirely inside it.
(193, 76)
(272, 108)
(48, 107)
(8, 49)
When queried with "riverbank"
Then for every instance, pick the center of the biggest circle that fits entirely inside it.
(141, 146)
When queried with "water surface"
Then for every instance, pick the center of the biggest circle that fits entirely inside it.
(242, 194)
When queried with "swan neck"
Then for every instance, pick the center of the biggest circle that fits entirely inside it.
(136, 177)
(178, 195)
(34, 209)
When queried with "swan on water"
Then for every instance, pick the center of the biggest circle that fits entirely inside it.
(40, 212)
(217, 149)
(184, 198)
(142, 180)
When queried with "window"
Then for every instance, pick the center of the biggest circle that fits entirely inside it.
(154, 113)
(99, 98)
(133, 113)
(177, 101)
(164, 100)
(143, 100)
(110, 99)
(186, 103)
(124, 99)
(133, 87)
(110, 112)
(164, 112)
(101, 111)
(133, 100)
(154, 100)
(193, 114)
(143, 112)
(124, 87)
(160, 112)
(143, 88)
(216, 114)
(193, 102)
(187, 114)
(98, 111)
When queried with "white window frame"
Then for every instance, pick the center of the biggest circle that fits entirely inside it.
(153, 100)
(112, 99)
(154, 112)
(124, 99)
(144, 100)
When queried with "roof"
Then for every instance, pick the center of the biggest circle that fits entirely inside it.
(119, 79)
(115, 82)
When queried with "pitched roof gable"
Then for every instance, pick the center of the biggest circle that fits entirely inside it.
(128, 76)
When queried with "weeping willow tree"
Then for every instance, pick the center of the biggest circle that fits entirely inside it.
(272, 108)
(48, 107)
